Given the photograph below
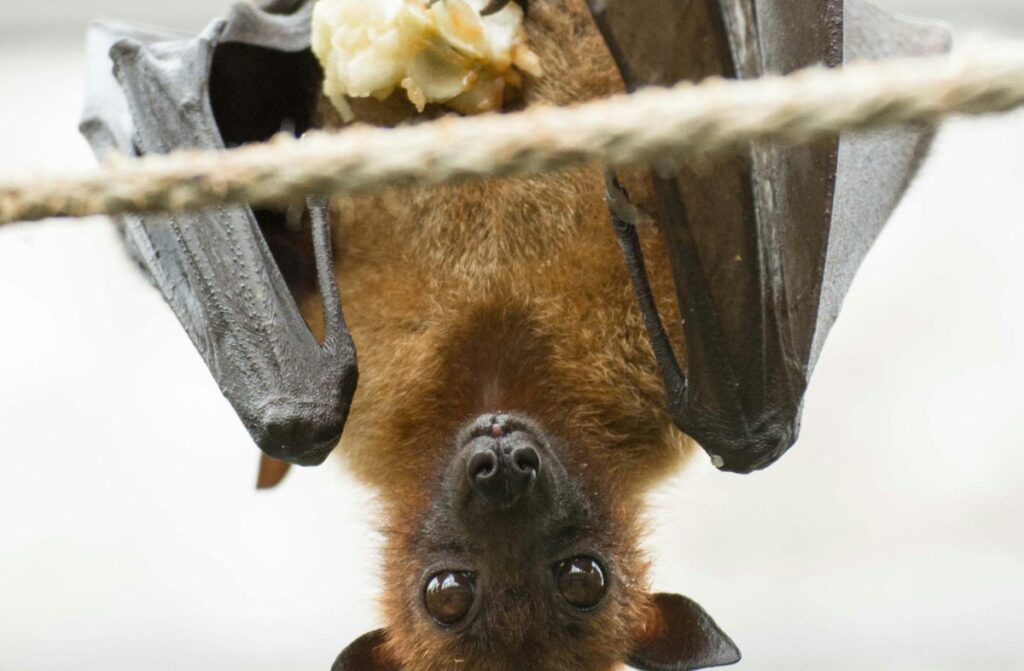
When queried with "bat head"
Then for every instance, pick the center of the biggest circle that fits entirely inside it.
(518, 563)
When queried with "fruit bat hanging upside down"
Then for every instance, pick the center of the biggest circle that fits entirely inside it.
(520, 386)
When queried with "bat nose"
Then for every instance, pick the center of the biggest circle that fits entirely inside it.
(502, 471)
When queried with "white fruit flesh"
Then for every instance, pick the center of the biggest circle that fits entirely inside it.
(441, 53)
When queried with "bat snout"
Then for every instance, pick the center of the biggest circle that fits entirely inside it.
(503, 476)
(503, 461)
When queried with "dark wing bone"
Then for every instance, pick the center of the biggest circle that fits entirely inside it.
(763, 247)
(154, 92)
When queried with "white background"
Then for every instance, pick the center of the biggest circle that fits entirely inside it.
(131, 537)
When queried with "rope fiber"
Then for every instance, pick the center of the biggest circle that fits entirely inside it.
(681, 123)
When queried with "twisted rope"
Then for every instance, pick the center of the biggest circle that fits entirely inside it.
(655, 124)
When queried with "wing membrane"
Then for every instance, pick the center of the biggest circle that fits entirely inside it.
(762, 246)
(151, 93)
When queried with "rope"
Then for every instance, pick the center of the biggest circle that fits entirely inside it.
(653, 125)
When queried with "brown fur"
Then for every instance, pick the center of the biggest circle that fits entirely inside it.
(507, 295)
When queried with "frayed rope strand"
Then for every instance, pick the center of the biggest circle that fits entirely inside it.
(689, 120)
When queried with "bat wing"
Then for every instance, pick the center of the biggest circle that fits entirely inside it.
(243, 79)
(763, 247)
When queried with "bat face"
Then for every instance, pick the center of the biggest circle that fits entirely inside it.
(518, 562)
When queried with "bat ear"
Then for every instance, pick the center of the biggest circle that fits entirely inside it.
(680, 636)
(366, 653)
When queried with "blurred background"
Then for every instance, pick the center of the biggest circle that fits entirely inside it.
(131, 536)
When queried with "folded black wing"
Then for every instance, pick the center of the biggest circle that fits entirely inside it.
(764, 246)
(244, 79)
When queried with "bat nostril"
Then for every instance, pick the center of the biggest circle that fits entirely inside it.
(482, 465)
(526, 460)
(501, 476)
(501, 461)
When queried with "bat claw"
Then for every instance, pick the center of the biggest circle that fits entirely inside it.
(493, 7)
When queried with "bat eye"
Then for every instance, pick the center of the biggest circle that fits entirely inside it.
(581, 582)
(449, 596)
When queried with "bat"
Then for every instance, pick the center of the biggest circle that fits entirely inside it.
(520, 386)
